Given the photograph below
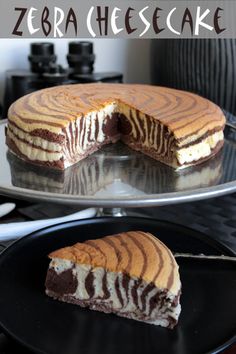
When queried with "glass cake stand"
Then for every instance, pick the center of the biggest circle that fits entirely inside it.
(117, 177)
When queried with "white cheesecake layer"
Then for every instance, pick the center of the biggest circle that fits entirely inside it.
(35, 140)
(159, 315)
(34, 153)
(200, 150)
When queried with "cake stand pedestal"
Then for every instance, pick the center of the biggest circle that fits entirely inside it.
(115, 212)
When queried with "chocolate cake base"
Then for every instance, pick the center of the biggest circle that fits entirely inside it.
(107, 308)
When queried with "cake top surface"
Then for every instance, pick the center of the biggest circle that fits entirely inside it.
(183, 113)
(136, 253)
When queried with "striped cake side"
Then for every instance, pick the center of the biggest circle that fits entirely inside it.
(60, 126)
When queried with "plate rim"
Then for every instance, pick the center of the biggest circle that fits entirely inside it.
(40, 233)
(140, 201)
(102, 219)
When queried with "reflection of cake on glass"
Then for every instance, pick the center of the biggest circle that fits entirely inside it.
(102, 175)
(60, 126)
(131, 274)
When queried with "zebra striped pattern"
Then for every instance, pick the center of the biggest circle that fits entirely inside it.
(137, 254)
(131, 274)
(54, 109)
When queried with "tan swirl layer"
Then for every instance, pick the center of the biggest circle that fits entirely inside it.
(136, 253)
(185, 115)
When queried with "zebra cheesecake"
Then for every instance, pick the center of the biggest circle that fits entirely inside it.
(130, 274)
(59, 126)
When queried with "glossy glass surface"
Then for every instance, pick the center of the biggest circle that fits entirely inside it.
(118, 176)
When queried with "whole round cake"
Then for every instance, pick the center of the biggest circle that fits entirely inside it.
(59, 126)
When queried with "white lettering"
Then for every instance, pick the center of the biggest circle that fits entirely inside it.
(58, 19)
(169, 25)
(30, 17)
(199, 22)
(147, 24)
(89, 26)
(115, 29)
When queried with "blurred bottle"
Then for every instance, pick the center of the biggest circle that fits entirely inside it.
(45, 72)
(81, 61)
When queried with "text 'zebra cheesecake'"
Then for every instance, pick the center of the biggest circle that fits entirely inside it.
(59, 126)
(131, 274)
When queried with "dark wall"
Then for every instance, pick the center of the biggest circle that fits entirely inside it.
(204, 66)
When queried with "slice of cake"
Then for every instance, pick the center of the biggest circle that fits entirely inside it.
(131, 274)
(60, 126)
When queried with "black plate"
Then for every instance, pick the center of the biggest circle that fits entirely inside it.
(207, 323)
